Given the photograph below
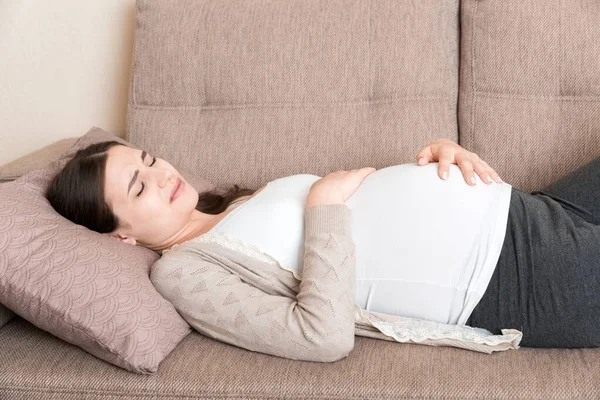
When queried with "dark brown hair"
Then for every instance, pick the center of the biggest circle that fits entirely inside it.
(77, 191)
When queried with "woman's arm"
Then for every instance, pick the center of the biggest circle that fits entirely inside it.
(318, 325)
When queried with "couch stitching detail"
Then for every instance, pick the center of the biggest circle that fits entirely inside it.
(293, 105)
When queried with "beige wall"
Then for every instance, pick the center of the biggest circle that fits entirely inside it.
(64, 68)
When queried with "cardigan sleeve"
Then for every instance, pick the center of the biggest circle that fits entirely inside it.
(318, 325)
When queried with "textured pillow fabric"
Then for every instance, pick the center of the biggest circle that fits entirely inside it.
(86, 288)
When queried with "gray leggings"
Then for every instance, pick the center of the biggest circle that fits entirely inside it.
(547, 279)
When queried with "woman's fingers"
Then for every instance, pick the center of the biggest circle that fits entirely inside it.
(444, 164)
(475, 166)
(422, 160)
(471, 164)
(447, 152)
(424, 156)
(493, 174)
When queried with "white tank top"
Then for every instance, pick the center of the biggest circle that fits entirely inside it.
(425, 247)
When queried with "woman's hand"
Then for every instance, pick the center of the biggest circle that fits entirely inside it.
(447, 152)
(336, 187)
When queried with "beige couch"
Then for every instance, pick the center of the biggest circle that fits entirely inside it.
(247, 91)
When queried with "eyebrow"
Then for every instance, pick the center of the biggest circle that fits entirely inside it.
(135, 174)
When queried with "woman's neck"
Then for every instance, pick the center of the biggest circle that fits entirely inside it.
(199, 224)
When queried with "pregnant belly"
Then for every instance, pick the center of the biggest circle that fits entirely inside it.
(416, 239)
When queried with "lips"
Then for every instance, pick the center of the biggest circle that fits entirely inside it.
(177, 189)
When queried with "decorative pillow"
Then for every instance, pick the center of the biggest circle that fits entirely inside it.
(84, 287)
(37, 159)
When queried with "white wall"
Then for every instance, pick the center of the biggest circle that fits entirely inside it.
(64, 67)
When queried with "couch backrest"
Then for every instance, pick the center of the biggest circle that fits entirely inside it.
(529, 101)
(248, 91)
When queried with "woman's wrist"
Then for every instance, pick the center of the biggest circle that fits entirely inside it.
(316, 201)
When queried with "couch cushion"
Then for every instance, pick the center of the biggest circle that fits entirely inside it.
(86, 288)
(35, 365)
(249, 91)
(529, 100)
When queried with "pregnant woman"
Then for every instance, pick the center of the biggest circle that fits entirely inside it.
(412, 244)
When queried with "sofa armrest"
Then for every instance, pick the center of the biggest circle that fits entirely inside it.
(35, 160)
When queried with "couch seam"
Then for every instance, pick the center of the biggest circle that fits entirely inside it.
(541, 98)
(134, 67)
(470, 141)
(161, 394)
(369, 56)
(293, 105)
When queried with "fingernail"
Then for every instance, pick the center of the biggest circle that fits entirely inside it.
(444, 174)
(488, 179)
(473, 181)
(500, 179)
(420, 160)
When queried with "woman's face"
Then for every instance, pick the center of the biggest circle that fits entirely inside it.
(143, 204)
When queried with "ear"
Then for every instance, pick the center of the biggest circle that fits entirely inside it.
(124, 239)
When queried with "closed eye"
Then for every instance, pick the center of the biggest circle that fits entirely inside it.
(138, 195)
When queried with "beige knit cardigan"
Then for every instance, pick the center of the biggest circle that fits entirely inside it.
(231, 297)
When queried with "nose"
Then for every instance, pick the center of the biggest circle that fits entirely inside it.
(164, 177)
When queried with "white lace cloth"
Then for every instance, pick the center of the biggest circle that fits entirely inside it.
(242, 247)
(402, 329)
